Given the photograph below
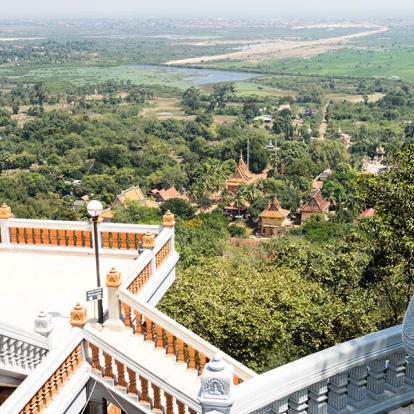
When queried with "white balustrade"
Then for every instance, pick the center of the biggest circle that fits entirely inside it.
(20, 351)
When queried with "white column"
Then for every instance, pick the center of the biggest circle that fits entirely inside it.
(216, 387)
(113, 281)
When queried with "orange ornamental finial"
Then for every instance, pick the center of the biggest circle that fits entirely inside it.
(5, 212)
(148, 241)
(113, 279)
(78, 316)
(168, 219)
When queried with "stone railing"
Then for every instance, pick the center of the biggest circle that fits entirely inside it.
(371, 374)
(37, 392)
(174, 338)
(57, 235)
(20, 351)
(154, 392)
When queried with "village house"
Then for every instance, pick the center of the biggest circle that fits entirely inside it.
(242, 176)
(273, 219)
(316, 205)
(166, 194)
(121, 200)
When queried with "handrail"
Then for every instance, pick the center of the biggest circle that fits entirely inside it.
(281, 382)
(117, 353)
(39, 381)
(182, 333)
(19, 334)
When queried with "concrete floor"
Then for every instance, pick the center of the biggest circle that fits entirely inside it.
(31, 282)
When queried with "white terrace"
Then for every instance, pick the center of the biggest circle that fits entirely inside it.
(142, 361)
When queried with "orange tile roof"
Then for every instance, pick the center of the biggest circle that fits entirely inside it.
(317, 204)
(274, 211)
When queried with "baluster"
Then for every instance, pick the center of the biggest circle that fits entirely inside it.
(62, 238)
(148, 330)
(108, 365)
(337, 397)
(281, 406)
(3, 349)
(376, 379)
(298, 402)
(132, 382)
(78, 236)
(169, 408)
(105, 240)
(127, 315)
(13, 235)
(180, 353)
(318, 396)
(37, 236)
(181, 407)
(236, 380)
(138, 323)
(95, 357)
(88, 238)
(115, 240)
(157, 397)
(120, 370)
(159, 343)
(396, 372)
(144, 390)
(30, 236)
(70, 234)
(53, 237)
(357, 387)
(203, 361)
(191, 358)
(170, 344)
(46, 237)
(124, 241)
(409, 370)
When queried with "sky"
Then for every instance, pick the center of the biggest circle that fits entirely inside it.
(200, 8)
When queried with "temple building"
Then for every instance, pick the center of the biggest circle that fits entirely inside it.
(273, 219)
(243, 176)
(316, 205)
(57, 357)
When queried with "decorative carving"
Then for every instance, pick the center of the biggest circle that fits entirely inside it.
(213, 386)
(43, 324)
(113, 278)
(148, 241)
(78, 316)
(168, 220)
(5, 212)
(216, 385)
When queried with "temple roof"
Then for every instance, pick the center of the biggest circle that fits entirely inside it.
(274, 211)
(317, 204)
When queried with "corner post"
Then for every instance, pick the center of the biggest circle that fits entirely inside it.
(168, 221)
(216, 387)
(5, 215)
(148, 243)
(113, 281)
(78, 316)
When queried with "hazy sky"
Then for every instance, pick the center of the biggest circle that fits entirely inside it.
(268, 8)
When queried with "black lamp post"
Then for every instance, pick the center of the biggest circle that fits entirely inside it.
(94, 209)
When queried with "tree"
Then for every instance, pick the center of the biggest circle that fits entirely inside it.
(179, 207)
(192, 99)
(391, 194)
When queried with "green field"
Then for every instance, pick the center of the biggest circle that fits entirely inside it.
(360, 63)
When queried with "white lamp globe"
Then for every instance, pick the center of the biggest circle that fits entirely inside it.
(94, 207)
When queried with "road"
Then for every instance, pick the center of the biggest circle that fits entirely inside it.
(281, 49)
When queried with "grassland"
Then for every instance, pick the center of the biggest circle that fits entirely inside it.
(394, 63)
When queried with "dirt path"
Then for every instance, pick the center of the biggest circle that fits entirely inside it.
(324, 125)
(281, 49)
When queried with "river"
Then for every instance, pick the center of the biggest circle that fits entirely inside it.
(200, 76)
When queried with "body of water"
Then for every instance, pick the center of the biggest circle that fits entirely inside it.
(200, 76)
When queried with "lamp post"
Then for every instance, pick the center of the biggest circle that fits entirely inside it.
(94, 209)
